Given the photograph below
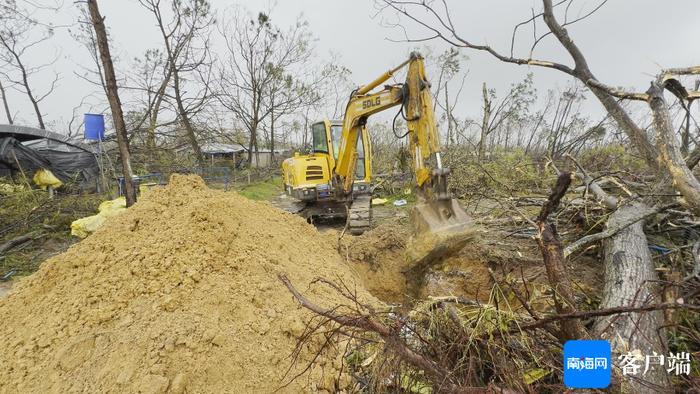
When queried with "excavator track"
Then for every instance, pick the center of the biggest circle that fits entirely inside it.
(360, 214)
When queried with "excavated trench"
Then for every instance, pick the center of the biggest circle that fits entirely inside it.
(379, 257)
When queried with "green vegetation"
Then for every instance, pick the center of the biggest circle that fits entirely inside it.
(505, 173)
(406, 194)
(47, 220)
(612, 158)
(263, 190)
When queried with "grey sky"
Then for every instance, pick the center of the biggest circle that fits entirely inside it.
(626, 43)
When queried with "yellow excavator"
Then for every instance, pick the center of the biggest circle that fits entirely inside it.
(334, 180)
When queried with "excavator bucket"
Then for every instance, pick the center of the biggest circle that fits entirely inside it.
(441, 228)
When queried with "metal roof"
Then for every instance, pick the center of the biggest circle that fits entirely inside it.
(213, 148)
(25, 133)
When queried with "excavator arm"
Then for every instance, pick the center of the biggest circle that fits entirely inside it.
(359, 108)
(414, 96)
(440, 225)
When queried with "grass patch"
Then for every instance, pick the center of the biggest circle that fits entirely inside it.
(410, 197)
(263, 191)
(32, 211)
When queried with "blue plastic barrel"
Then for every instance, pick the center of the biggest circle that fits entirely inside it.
(94, 127)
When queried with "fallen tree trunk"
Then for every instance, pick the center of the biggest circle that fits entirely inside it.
(19, 240)
(610, 231)
(629, 277)
(670, 155)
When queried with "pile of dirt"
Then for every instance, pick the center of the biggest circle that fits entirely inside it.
(178, 294)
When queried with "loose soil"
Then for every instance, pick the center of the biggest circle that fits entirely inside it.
(381, 259)
(178, 294)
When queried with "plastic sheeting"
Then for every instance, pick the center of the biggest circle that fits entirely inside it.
(88, 225)
(70, 164)
(15, 156)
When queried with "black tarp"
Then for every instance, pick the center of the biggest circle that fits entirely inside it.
(15, 157)
(71, 165)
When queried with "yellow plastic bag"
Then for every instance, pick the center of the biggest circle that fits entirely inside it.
(45, 178)
(88, 225)
(112, 207)
(379, 201)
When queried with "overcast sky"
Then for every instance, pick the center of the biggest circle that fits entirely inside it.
(626, 43)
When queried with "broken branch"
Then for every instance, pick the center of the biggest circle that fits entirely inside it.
(368, 324)
(20, 240)
(609, 232)
(607, 200)
(608, 312)
(553, 254)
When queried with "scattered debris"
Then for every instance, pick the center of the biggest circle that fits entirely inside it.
(379, 201)
(400, 203)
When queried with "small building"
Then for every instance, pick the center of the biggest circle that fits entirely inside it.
(238, 153)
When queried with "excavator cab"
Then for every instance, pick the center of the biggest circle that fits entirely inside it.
(326, 139)
(310, 179)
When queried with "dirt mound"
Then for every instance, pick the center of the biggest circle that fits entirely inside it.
(178, 294)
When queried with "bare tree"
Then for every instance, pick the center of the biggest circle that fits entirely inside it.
(294, 89)
(260, 79)
(5, 104)
(514, 105)
(565, 120)
(84, 34)
(339, 87)
(21, 32)
(150, 78)
(185, 38)
(114, 101)
(450, 64)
